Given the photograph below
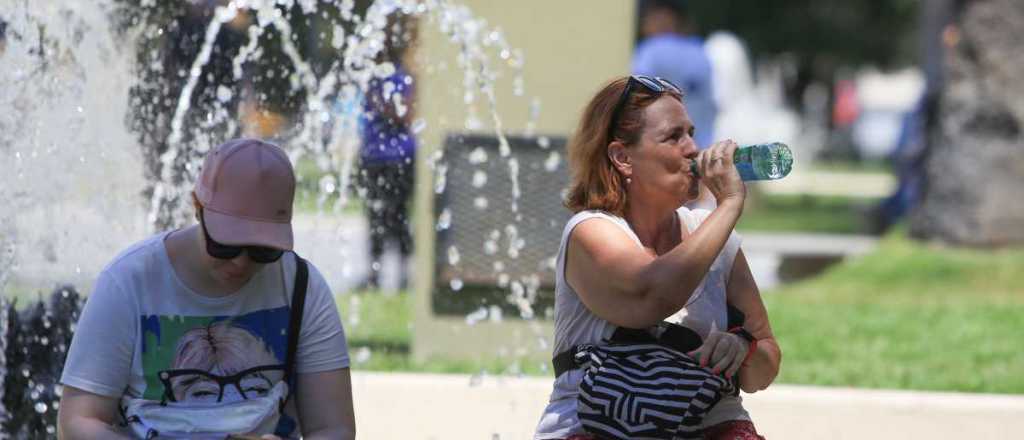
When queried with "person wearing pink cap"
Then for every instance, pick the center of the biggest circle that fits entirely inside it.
(213, 329)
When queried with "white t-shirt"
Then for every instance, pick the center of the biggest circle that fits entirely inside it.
(575, 324)
(141, 319)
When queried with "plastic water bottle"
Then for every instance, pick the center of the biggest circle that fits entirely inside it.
(771, 161)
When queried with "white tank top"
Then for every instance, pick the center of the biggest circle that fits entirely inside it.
(575, 324)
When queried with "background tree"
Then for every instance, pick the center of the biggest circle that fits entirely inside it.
(975, 167)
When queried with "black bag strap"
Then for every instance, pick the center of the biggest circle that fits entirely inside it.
(295, 321)
(674, 336)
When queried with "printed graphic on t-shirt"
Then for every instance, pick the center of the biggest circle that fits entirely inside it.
(213, 359)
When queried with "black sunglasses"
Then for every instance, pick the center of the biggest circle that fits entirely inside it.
(651, 83)
(221, 251)
(249, 390)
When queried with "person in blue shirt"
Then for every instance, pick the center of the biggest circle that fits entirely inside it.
(670, 50)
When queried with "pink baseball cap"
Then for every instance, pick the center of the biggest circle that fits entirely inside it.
(247, 187)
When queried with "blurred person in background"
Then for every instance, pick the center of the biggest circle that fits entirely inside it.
(388, 154)
(671, 49)
(3, 36)
(636, 268)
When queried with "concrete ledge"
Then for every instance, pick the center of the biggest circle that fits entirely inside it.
(833, 183)
(805, 244)
(433, 406)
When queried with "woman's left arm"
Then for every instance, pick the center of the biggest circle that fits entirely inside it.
(762, 366)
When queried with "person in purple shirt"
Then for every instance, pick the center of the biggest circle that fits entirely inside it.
(669, 50)
(387, 163)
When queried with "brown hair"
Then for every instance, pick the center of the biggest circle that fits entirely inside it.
(595, 183)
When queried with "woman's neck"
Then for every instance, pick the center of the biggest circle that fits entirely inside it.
(655, 226)
(183, 248)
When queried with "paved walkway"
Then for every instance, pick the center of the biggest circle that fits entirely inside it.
(454, 407)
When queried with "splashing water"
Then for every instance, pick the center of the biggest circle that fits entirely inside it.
(74, 169)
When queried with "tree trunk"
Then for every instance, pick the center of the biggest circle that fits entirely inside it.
(974, 169)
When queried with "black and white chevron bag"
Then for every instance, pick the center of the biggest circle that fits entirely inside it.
(645, 391)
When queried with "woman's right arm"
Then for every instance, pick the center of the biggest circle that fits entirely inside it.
(84, 415)
(626, 286)
(98, 363)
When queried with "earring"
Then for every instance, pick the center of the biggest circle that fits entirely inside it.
(629, 180)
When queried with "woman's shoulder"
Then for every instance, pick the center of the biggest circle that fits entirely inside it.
(588, 214)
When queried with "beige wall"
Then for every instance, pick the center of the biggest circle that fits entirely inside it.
(570, 49)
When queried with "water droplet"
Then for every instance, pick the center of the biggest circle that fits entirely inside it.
(479, 179)
(444, 220)
(328, 184)
(418, 125)
(224, 93)
(478, 156)
(442, 179)
(338, 37)
(384, 70)
(40, 407)
(490, 247)
(363, 355)
(480, 202)
(495, 313)
(552, 162)
(453, 255)
(456, 284)
(517, 289)
(476, 316)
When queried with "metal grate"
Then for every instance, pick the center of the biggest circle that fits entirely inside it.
(496, 245)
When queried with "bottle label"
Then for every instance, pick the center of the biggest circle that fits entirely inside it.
(746, 170)
(744, 161)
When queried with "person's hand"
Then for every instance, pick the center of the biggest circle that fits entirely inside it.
(718, 173)
(722, 352)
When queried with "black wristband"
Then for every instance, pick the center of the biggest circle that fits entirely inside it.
(743, 333)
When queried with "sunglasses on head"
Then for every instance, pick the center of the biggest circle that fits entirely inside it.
(651, 83)
(258, 254)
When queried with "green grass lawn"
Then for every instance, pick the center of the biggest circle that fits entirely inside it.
(908, 316)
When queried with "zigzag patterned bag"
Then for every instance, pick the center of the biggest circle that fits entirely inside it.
(645, 391)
